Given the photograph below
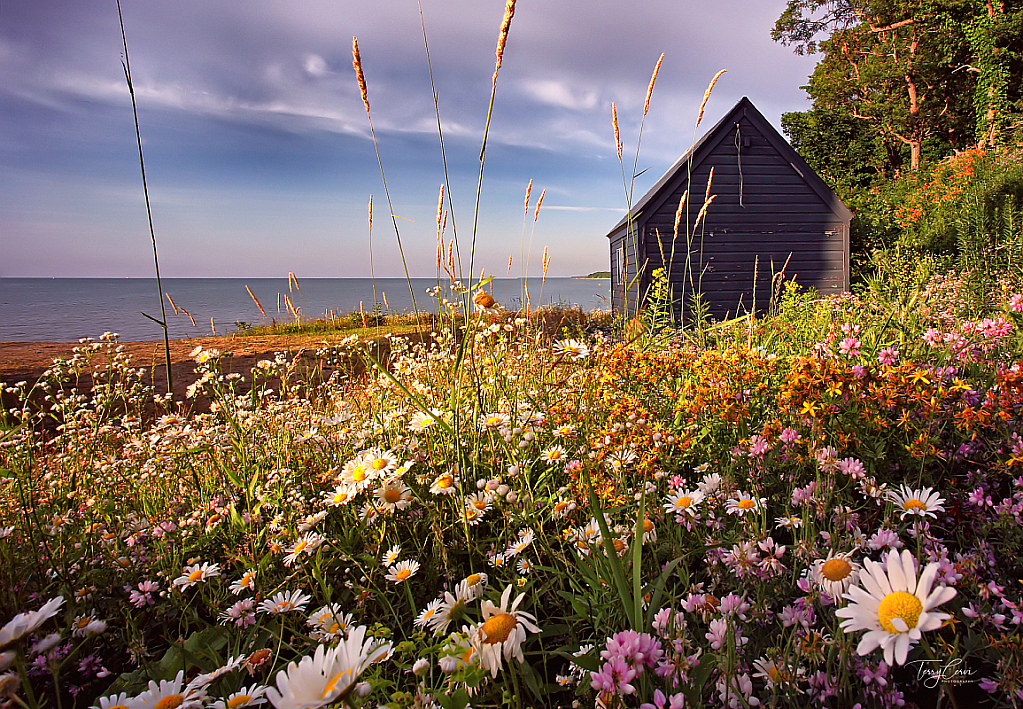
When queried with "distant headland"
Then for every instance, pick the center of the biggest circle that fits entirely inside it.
(596, 274)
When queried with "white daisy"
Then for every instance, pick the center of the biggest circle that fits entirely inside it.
(331, 621)
(495, 420)
(922, 503)
(193, 574)
(711, 482)
(284, 602)
(426, 615)
(341, 495)
(835, 574)
(307, 544)
(380, 462)
(393, 495)
(573, 349)
(502, 632)
(391, 555)
(27, 622)
(170, 693)
(244, 697)
(525, 538)
(357, 475)
(114, 701)
(894, 607)
(743, 504)
(451, 610)
(402, 571)
(471, 587)
(247, 582)
(554, 454)
(327, 676)
(231, 665)
(422, 420)
(444, 484)
(684, 502)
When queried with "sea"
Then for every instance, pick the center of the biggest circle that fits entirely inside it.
(67, 309)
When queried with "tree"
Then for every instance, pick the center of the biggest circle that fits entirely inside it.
(928, 75)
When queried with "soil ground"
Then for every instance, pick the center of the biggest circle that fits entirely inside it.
(27, 361)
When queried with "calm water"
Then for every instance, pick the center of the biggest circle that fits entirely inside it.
(65, 309)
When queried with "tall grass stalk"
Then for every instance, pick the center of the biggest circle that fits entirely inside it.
(357, 65)
(162, 322)
(440, 136)
(502, 39)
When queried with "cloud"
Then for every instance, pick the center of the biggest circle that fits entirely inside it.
(315, 65)
(560, 94)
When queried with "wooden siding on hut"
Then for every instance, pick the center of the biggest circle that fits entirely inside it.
(764, 217)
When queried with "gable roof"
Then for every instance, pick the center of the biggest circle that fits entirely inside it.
(703, 147)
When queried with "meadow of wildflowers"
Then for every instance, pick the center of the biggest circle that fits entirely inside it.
(498, 517)
(821, 506)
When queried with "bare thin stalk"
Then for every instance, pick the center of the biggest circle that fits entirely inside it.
(509, 12)
(149, 212)
(357, 64)
(440, 135)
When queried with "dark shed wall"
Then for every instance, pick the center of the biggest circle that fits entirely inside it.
(627, 258)
(763, 211)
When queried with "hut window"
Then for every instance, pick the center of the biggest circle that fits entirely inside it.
(620, 263)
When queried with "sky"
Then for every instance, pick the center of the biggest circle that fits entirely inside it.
(258, 153)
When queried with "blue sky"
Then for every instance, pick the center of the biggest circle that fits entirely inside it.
(257, 146)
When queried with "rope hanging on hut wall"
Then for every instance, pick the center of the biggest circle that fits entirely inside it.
(738, 158)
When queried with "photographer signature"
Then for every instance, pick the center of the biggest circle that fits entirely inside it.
(932, 672)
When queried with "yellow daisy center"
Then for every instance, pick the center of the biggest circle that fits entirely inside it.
(554, 454)
(333, 683)
(479, 504)
(473, 579)
(899, 605)
(498, 628)
(470, 513)
(284, 606)
(746, 504)
(648, 526)
(913, 505)
(684, 501)
(379, 464)
(170, 702)
(300, 546)
(836, 569)
(392, 496)
(195, 575)
(359, 474)
(445, 481)
(467, 657)
(402, 574)
(560, 505)
(238, 701)
(119, 706)
(619, 545)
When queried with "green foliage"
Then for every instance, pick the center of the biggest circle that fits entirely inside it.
(969, 206)
(925, 76)
(844, 150)
(659, 308)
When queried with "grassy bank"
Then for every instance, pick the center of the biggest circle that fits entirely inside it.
(528, 517)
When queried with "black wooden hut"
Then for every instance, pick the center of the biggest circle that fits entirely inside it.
(770, 213)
